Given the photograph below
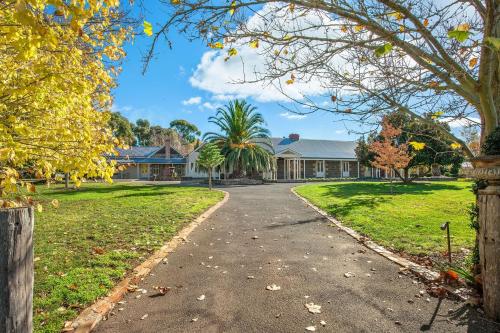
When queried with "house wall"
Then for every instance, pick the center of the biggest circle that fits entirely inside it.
(281, 168)
(129, 173)
(310, 169)
(332, 169)
(353, 169)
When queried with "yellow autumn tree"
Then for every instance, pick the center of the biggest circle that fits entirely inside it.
(58, 61)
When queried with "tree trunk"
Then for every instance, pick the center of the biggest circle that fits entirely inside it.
(489, 247)
(66, 180)
(16, 270)
(210, 178)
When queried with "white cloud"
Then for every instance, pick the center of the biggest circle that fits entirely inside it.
(229, 79)
(210, 106)
(462, 122)
(340, 131)
(192, 101)
(292, 116)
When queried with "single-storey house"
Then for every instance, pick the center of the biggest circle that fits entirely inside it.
(295, 159)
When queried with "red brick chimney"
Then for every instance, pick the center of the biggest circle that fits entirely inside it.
(167, 148)
(294, 136)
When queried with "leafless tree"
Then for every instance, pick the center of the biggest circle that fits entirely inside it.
(369, 56)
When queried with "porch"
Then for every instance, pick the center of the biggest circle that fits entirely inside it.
(299, 168)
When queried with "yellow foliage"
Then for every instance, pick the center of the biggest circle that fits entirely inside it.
(57, 74)
(417, 145)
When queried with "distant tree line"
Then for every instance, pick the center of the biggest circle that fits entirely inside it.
(182, 134)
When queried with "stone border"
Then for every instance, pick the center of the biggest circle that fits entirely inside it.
(92, 315)
(419, 270)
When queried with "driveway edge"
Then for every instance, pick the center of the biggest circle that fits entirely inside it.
(423, 272)
(92, 315)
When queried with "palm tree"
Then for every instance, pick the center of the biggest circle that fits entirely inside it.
(243, 140)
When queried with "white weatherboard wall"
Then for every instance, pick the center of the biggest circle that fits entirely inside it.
(192, 169)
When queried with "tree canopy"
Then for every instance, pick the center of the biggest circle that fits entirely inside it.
(210, 157)
(242, 137)
(187, 130)
(59, 63)
(369, 57)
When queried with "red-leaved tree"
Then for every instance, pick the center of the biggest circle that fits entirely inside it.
(389, 155)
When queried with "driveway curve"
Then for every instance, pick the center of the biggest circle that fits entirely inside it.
(263, 236)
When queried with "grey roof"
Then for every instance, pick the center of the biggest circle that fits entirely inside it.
(135, 151)
(142, 160)
(307, 148)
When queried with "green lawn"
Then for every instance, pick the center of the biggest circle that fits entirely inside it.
(407, 221)
(97, 234)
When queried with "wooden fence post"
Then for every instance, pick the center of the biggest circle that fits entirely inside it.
(16, 270)
(488, 168)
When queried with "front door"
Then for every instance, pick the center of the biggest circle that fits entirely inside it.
(345, 169)
(320, 169)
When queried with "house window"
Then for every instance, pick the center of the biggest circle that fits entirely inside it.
(192, 166)
(155, 169)
(345, 166)
(144, 170)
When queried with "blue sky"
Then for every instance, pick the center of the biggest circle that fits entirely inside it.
(167, 91)
(191, 80)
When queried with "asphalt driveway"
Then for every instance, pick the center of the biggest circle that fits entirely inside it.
(264, 236)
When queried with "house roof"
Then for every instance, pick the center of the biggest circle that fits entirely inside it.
(137, 151)
(142, 160)
(308, 148)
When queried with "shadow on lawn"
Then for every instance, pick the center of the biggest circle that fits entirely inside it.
(105, 188)
(346, 190)
(370, 195)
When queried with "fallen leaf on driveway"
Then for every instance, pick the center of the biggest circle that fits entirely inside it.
(201, 298)
(194, 319)
(349, 274)
(250, 277)
(313, 308)
(273, 287)
(311, 328)
(144, 317)
(255, 237)
(323, 323)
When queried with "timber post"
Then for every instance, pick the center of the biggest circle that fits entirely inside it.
(16, 270)
(488, 168)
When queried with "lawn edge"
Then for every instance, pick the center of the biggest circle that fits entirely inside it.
(423, 272)
(88, 319)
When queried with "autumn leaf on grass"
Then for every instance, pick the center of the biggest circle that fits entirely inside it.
(291, 80)
(148, 28)
(31, 188)
(456, 145)
(417, 145)
(55, 203)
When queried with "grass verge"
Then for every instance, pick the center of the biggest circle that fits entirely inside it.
(408, 220)
(97, 234)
